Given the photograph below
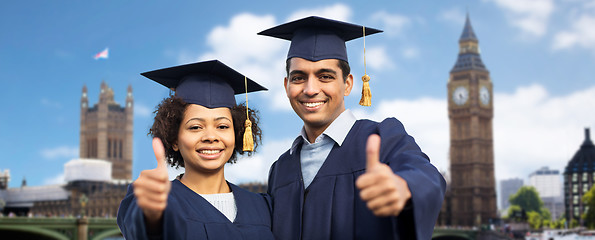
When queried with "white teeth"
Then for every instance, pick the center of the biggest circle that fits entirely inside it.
(209, 151)
(313, 104)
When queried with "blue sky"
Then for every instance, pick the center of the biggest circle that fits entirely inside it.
(540, 54)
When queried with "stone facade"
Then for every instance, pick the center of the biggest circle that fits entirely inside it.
(472, 195)
(579, 177)
(106, 131)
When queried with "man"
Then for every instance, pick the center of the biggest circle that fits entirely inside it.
(345, 178)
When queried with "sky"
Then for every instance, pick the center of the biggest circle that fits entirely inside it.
(540, 54)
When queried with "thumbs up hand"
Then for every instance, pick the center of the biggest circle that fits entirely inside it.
(152, 187)
(384, 192)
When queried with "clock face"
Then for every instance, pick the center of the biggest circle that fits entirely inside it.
(460, 95)
(484, 95)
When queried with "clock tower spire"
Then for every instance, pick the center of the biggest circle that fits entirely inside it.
(470, 112)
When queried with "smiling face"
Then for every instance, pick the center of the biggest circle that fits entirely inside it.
(316, 91)
(206, 138)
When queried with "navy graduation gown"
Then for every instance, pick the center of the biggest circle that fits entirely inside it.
(190, 216)
(330, 208)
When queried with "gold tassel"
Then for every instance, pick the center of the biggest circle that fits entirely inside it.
(366, 99)
(248, 138)
(366, 93)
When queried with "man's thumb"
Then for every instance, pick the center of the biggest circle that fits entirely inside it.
(159, 151)
(372, 151)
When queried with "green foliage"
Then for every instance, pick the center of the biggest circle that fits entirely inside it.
(527, 198)
(511, 212)
(557, 224)
(573, 223)
(546, 222)
(527, 201)
(545, 213)
(589, 213)
(534, 219)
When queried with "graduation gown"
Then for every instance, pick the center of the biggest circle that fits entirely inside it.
(190, 216)
(331, 208)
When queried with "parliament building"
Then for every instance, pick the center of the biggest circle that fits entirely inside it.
(97, 181)
(471, 194)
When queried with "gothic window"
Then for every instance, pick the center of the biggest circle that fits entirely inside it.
(109, 148)
(120, 150)
(88, 148)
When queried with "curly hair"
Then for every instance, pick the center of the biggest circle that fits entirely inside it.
(168, 118)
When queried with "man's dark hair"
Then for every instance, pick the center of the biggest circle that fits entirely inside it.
(343, 65)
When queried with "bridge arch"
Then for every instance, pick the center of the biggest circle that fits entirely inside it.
(107, 233)
(50, 234)
(451, 237)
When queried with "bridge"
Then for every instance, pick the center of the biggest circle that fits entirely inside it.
(56, 228)
(454, 234)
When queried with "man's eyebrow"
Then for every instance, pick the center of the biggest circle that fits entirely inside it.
(296, 72)
(326, 70)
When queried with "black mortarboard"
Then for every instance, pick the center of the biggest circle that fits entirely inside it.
(211, 84)
(315, 38)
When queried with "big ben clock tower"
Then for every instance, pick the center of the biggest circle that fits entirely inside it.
(470, 112)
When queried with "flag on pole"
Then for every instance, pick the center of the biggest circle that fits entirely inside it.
(102, 54)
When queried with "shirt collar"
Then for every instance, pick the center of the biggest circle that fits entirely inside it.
(337, 131)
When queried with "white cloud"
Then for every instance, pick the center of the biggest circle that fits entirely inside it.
(238, 43)
(49, 103)
(453, 15)
(256, 168)
(58, 179)
(260, 58)
(411, 53)
(531, 16)
(378, 58)
(60, 152)
(580, 34)
(142, 110)
(393, 24)
(337, 11)
(426, 119)
(531, 128)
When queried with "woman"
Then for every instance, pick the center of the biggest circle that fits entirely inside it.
(199, 128)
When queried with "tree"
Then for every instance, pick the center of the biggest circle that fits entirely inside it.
(534, 219)
(589, 203)
(528, 199)
(517, 214)
(573, 223)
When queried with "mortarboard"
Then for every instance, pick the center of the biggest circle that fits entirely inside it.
(211, 84)
(315, 38)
